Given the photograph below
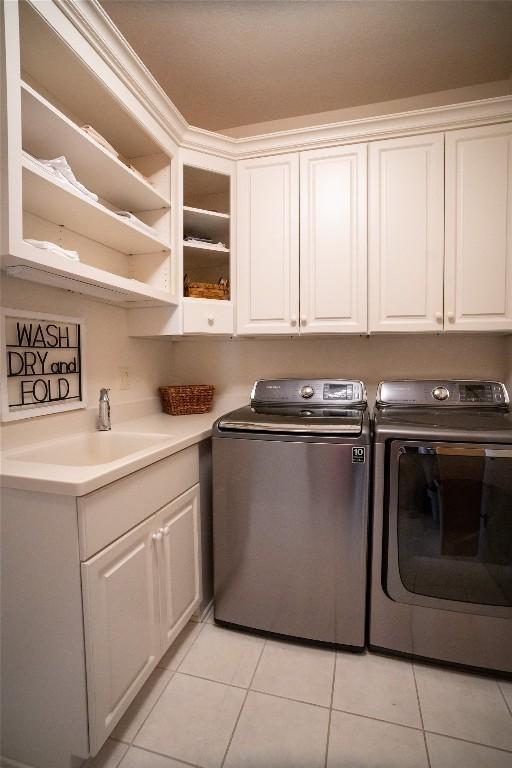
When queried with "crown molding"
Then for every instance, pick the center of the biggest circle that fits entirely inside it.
(451, 117)
(94, 24)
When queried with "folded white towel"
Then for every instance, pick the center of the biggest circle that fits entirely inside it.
(60, 169)
(46, 245)
(63, 171)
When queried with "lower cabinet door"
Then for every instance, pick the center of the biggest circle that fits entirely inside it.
(120, 593)
(179, 553)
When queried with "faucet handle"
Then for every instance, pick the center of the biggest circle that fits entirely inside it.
(104, 393)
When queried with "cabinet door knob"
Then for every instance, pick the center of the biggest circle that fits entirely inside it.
(293, 320)
(439, 316)
(158, 536)
(303, 320)
(451, 317)
(211, 319)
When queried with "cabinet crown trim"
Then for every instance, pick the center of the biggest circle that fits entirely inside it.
(96, 27)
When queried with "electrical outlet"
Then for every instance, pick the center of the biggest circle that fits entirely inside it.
(124, 378)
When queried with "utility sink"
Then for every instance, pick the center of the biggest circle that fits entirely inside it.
(89, 450)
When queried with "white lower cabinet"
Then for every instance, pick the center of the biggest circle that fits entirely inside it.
(121, 617)
(179, 564)
(138, 593)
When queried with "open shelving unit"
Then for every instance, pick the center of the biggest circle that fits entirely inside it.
(206, 214)
(120, 261)
(47, 132)
(56, 202)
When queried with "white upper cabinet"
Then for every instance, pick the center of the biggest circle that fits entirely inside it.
(333, 251)
(268, 245)
(406, 234)
(478, 271)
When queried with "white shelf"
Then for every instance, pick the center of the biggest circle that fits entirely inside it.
(197, 221)
(50, 269)
(203, 212)
(56, 202)
(47, 133)
(205, 247)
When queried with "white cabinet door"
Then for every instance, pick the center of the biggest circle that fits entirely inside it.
(268, 245)
(120, 591)
(179, 554)
(478, 277)
(406, 234)
(333, 253)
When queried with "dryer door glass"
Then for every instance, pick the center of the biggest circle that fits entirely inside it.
(453, 509)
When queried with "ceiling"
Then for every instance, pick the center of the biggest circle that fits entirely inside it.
(237, 62)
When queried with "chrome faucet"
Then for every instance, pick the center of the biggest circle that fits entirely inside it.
(104, 411)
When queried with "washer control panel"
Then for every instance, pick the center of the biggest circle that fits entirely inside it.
(442, 393)
(312, 391)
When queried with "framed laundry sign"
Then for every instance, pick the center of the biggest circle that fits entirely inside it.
(42, 364)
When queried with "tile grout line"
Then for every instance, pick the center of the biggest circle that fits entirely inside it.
(89, 763)
(330, 711)
(322, 707)
(203, 623)
(243, 705)
(194, 641)
(504, 697)
(468, 741)
(173, 673)
(421, 715)
(162, 754)
(265, 693)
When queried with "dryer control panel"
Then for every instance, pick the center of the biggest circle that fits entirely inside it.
(443, 394)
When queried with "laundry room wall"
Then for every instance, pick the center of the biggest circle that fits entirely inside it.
(233, 365)
(108, 348)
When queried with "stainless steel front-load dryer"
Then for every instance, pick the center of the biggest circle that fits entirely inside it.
(441, 574)
(290, 511)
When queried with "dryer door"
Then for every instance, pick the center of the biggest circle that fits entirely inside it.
(450, 526)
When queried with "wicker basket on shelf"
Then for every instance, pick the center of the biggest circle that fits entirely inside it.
(187, 398)
(218, 290)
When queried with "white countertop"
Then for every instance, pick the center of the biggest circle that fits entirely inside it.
(65, 479)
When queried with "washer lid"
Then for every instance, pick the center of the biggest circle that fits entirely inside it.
(294, 420)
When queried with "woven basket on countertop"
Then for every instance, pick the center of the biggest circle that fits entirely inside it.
(187, 398)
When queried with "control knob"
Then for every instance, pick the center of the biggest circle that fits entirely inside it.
(440, 393)
(307, 391)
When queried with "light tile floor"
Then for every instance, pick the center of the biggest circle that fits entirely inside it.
(225, 699)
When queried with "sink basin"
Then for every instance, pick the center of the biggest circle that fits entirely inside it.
(90, 449)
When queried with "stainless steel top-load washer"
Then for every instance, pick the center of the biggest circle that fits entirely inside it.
(441, 583)
(290, 511)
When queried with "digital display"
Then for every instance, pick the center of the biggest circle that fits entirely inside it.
(477, 393)
(338, 392)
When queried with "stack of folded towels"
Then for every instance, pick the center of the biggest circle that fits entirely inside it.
(60, 168)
